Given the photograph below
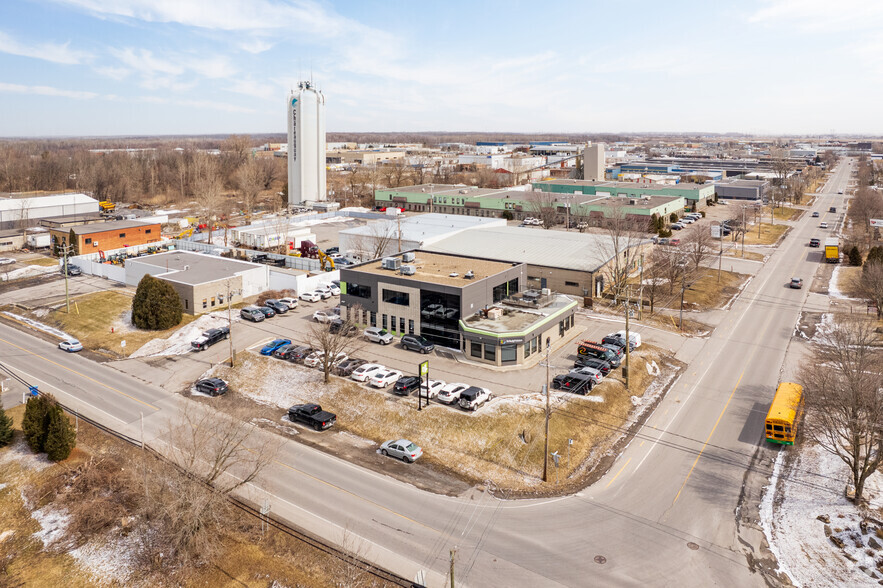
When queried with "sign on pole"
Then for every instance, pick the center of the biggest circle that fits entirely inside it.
(424, 368)
(716, 231)
(877, 222)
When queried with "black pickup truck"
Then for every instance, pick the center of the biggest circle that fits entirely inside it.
(312, 415)
(209, 338)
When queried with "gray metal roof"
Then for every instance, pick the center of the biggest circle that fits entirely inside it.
(187, 267)
(109, 226)
(550, 248)
(424, 228)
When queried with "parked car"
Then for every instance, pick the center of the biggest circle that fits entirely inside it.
(327, 291)
(316, 359)
(473, 397)
(578, 384)
(70, 345)
(312, 415)
(366, 371)
(593, 362)
(324, 292)
(348, 366)
(299, 353)
(252, 314)
(310, 296)
(634, 338)
(796, 283)
(382, 379)
(343, 327)
(282, 352)
(663, 241)
(72, 270)
(378, 335)
(616, 349)
(402, 449)
(290, 302)
(674, 242)
(212, 386)
(687, 221)
(431, 388)
(273, 345)
(417, 343)
(814, 242)
(209, 338)
(268, 312)
(405, 385)
(323, 316)
(677, 227)
(332, 250)
(618, 341)
(595, 375)
(815, 214)
(450, 393)
(276, 305)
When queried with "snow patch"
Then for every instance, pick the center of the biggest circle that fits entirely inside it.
(111, 561)
(179, 342)
(2, 486)
(6, 535)
(28, 272)
(833, 290)
(53, 525)
(38, 325)
(19, 453)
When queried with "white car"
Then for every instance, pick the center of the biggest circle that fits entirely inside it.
(324, 292)
(324, 316)
(363, 373)
(823, 225)
(327, 291)
(311, 296)
(6, 261)
(634, 338)
(383, 379)
(291, 302)
(378, 335)
(315, 359)
(687, 220)
(70, 345)
(434, 386)
(450, 393)
(473, 397)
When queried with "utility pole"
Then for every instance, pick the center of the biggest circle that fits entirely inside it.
(453, 551)
(546, 441)
(640, 294)
(627, 312)
(720, 258)
(683, 287)
(743, 231)
(65, 250)
(230, 326)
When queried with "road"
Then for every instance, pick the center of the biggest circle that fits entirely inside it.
(664, 514)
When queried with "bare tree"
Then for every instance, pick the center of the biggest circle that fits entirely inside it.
(544, 206)
(871, 284)
(333, 341)
(698, 245)
(376, 242)
(844, 397)
(865, 205)
(207, 185)
(621, 247)
(248, 178)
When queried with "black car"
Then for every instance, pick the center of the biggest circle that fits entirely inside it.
(347, 366)
(268, 312)
(814, 243)
(298, 353)
(405, 385)
(339, 326)
(593, 362)
(209, 338)
(576, 383)
(331, 250)
(260, 258)
(417, 343)
(279, 307)
(616, 349)
(618, 341)
(212, 386)
(282, 352)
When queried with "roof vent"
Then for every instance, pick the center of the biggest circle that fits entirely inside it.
(453, 275)
(469, 275)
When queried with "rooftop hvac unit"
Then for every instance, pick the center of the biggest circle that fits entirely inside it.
(391, 263)
(408, 257)
(546, 292)
(469, 275)
(409, 270)
(495, 314)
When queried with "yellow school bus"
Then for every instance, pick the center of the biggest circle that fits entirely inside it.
(781, 420)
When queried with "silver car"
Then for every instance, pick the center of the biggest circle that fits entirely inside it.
(402, 449)
(378, 335)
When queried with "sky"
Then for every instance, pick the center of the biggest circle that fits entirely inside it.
(184, 67)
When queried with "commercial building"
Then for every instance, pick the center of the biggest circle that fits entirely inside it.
(742, 189)
(306, 145)
(471, 304)
(17, 210)
(386, 237)
(567, 262)
(696, 195)
(203, 282)
(93, 237)
(366, 157)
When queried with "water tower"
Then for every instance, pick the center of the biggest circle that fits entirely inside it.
(306, 145)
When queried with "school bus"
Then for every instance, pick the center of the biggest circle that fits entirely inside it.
(781, 420)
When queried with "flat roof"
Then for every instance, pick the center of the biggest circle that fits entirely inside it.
(436, 268)
(192, 268)
(549, 248)
(109, 226)
(423, 227)
(629, 185)
(15, 201)
(516, 319)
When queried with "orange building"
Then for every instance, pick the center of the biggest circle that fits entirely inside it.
(106, 236)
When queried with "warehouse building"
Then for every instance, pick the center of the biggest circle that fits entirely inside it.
(742, 189)
(472, 304)
(17, 210)
(88, 238)
(696, 195)
(203, 282)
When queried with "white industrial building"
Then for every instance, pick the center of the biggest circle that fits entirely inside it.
(306, 145)
(18, 209)
(385, 237)
(267, 235)
(502, 161)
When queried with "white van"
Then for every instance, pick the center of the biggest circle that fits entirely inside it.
(634, 338)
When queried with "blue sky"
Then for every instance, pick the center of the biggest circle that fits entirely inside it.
(156, 67)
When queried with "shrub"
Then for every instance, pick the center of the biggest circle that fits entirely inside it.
(61, 437)
(664, 233)
(274, 295)
(507, 215)
(5, 428)
(156, 306)
(855, 257)
(702, 212)
(673, 217)
(35, 423)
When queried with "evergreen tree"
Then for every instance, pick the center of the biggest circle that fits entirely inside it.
(875, 255)
(855, 256)
(5, 428)
(74, 242)
(673, 217)
(61, 437)
(156, 306)
(35, 424)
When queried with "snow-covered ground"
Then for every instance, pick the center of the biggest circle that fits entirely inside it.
(833, 290)
(28, 272)
(814, 488)
(38, 325)
(179, 342)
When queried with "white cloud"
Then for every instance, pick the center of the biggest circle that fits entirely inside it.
(46, 51)
(45, 91)
(116, 73)
(143, 61)
(202, 104)
(250, 87)
(821, 15)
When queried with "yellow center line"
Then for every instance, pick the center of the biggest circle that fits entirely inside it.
(91, 379)
(619, 472)
(704, 445)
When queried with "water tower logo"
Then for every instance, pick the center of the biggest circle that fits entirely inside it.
(293, 101)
